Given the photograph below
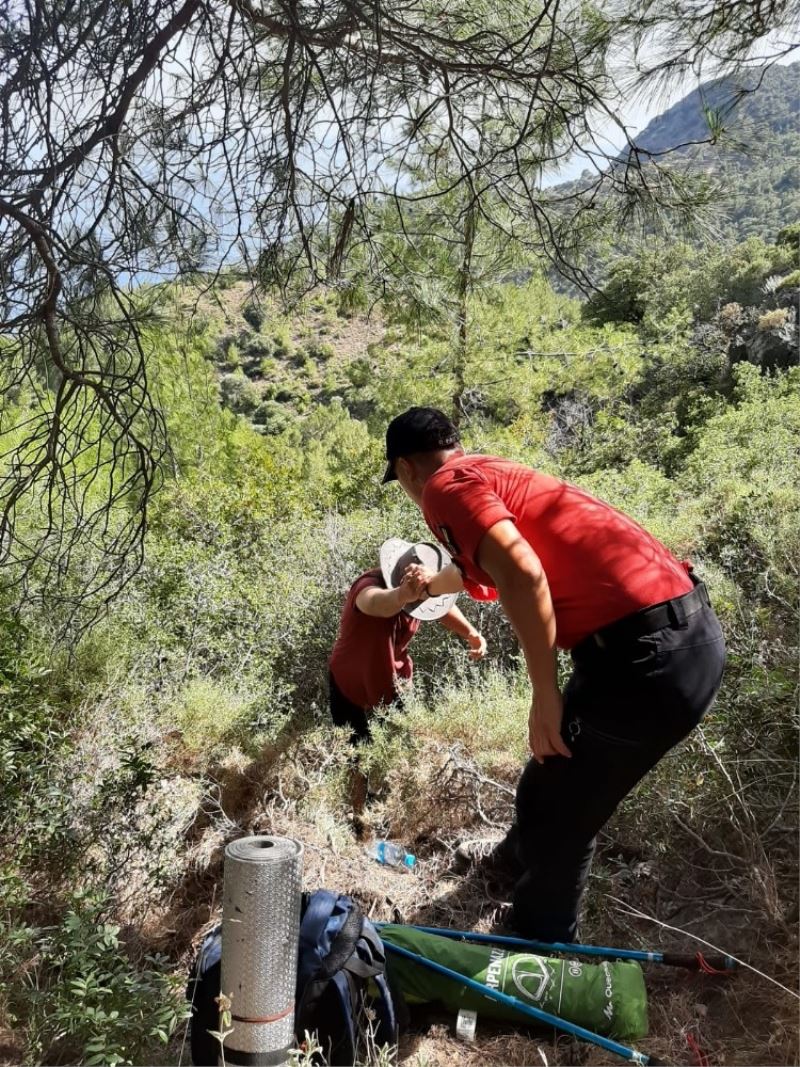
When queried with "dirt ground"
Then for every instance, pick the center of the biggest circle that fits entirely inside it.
(637, 898)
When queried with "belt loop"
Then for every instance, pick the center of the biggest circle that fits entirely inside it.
(677, 613)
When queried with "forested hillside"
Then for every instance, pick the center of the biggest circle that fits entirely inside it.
(738, 138)
(195, 710)
(236, 240)
(755, 160)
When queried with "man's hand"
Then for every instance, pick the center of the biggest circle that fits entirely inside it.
(420, 575)
(410, 589)
(447, 580)
(385, 603)
(477, 644)
(544, 727)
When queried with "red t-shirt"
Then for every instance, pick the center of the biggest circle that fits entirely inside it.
(370, 651)
(600, 564)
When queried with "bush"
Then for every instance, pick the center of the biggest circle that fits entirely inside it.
(283, 346)
(238, 394)
(254, 346)
(210, 714)
(254, 316)
(321, 350)
(289, 394)
(359, 372)
(84, 1000)
(790, 235)
(298, 357)
(272, 417)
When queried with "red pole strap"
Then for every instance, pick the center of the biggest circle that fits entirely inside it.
(264, 1018)
(700, 1058)
(704, 966)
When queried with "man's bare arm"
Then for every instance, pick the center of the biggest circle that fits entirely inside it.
(522, 587)
(459, 624)
(447, 580)
(384, 603)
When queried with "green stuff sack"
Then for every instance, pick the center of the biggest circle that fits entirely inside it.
(609, 998)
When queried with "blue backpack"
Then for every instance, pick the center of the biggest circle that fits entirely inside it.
(342, 993)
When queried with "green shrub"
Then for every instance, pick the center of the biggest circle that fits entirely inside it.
(238, 394)
(254, 346)
(321, 350)
(208, 713)
(254, 316)
(224, 341)
(288, 394)
(790, 235)
(84, 999)
(359, 372)
(272, 417)
(283, 345)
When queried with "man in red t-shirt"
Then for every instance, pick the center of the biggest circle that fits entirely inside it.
(370, 666)
(571, 572)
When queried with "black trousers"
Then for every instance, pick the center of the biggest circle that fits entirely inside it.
(625, 706)
(345, 713)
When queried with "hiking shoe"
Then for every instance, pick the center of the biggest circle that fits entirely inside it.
(490, 854)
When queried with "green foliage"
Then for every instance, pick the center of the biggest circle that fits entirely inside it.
(238, 394)
(321, 350)
(272, 417)
(283, 346)
(254, 316)
(745, 467)
(255, 347)
(664, 288)
(35, 732)
(216, 653)
(789, 235)
(83, 999)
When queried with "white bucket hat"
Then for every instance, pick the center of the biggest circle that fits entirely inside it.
(397, 554)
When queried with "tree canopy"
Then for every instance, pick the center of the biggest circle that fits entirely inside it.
(164, 137)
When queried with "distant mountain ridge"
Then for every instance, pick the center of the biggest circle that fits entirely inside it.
(756, 162)
(772, 105)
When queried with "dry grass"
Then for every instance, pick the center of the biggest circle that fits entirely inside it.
(301, 792)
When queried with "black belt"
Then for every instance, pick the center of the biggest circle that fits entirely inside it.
(673, 612)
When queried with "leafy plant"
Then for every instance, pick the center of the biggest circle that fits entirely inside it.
(84, 1000)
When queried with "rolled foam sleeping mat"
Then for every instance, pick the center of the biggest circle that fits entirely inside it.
(260, 927)
(609, 998)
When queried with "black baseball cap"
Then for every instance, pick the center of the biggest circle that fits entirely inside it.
(417, 430)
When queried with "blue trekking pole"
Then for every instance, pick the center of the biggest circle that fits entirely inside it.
(526, 1009)
(698, 962)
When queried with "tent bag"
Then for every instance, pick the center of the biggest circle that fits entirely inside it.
(608, 998)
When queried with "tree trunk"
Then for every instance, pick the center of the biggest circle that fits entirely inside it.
(464, 286)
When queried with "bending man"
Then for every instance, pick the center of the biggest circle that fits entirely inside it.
(575, 573)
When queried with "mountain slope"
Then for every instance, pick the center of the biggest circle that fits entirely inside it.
(756, 162)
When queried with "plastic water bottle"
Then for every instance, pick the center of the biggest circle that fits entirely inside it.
(391, 855)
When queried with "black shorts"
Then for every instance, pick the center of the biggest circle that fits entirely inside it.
(345, 713)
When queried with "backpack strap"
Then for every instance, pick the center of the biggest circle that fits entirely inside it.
(368, 957)
(344, 945)
(342, 949)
